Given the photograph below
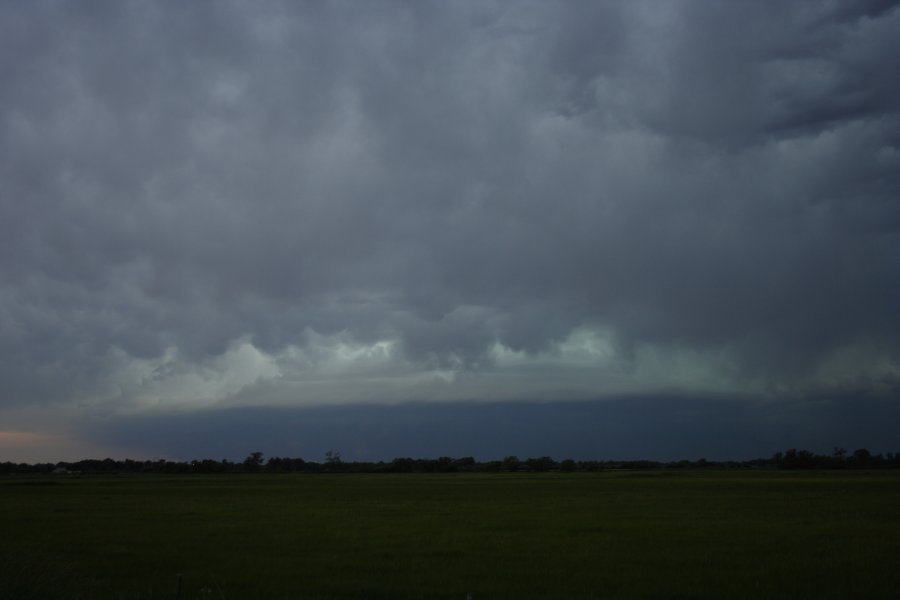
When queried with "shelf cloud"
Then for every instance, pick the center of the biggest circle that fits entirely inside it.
(216, 205)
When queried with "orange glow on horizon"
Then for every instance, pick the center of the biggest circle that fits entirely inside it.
(12, 439)
(41, 447)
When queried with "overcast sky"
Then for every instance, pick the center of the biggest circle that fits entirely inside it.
(216, 214)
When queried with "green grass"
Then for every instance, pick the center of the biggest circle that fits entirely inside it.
(654, 534)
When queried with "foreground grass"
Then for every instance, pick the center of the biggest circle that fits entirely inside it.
(609, 535)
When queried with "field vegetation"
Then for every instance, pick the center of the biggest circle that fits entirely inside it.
(620, 534)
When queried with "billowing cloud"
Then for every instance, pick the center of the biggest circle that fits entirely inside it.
(219, 204)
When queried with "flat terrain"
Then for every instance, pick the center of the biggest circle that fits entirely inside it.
(659, 534)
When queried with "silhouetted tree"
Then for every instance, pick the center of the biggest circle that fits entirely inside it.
(511, 463)
(544, 463)
(567, 466)
(466, 463)
(795, 459)
(333, 461)
(253, 463)
(861, 457)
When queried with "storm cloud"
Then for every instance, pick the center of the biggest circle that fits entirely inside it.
(215, 205)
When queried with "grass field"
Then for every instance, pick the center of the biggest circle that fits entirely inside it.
(660, 534)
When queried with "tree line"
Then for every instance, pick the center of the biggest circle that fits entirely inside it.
(333, 463)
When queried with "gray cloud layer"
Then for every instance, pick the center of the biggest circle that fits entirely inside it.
(658, 428)
(243, 202)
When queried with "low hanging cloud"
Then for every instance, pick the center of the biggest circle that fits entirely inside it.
(218, 204)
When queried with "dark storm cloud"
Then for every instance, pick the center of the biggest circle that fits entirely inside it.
(648, 427)
(715, 178)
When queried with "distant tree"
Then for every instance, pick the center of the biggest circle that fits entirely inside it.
(466, 463)
(861, 457)
(253, 463)
(333, 461)
(795, 459)
(567, 466)
(444, 464)
(276, 465)
(206, 466)
(511, 463)
(402, 465)
(544, 463)
(284, 464)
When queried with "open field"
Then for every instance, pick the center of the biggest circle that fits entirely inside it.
(659, 534)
